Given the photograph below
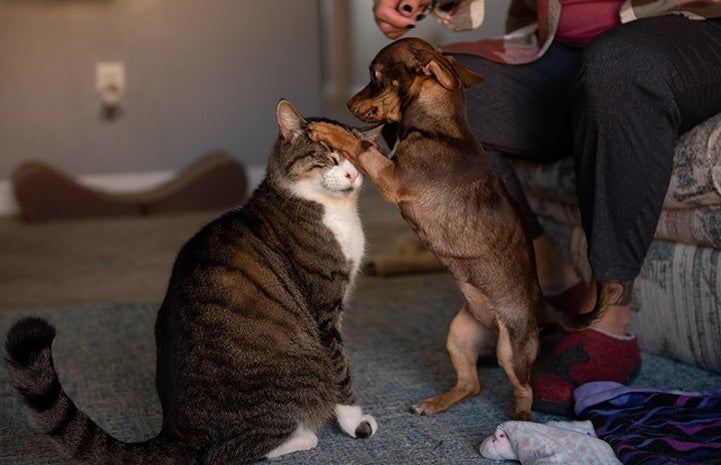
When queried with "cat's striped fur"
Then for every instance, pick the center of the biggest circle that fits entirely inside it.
(250, 357)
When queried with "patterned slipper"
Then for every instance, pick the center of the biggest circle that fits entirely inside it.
(580, 357)
(570, 299)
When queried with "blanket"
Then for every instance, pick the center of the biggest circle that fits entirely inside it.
(654, 426)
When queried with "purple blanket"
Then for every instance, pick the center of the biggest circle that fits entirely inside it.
(654, 427)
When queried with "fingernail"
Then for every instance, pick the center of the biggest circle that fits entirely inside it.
(419, 17)
(410, 26)
(407, 8)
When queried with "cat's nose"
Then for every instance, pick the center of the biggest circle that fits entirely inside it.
(352, 176)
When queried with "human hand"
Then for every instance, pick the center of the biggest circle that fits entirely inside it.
(396, 17)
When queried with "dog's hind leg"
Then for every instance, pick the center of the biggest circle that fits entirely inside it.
(515, 355)
(467, 340)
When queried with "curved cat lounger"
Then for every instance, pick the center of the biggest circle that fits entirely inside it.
(214, 181)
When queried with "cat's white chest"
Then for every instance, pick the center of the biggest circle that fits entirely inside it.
(345, 224)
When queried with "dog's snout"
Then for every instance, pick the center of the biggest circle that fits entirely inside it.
(355, 102)
(363, 110)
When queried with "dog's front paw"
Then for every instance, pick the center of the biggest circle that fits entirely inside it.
(354, 423)
(325, 133)
(334, 137)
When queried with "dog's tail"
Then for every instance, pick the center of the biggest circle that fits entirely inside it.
(555, 318)
(607, 293)
(29, 360)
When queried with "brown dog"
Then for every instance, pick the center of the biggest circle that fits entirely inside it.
(459, 209)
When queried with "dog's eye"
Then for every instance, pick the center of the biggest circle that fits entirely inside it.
(375, 75)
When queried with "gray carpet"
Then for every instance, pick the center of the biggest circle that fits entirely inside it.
(395, 333)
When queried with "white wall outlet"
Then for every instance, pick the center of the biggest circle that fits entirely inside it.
(110, 81)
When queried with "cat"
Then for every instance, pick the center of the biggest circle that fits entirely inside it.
(250, 358)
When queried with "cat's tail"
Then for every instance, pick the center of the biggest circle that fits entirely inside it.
(29, 360)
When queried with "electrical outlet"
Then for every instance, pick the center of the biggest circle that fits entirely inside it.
(110, 76)
(110, 86)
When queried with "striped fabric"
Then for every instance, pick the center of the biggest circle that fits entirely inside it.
(654, 426)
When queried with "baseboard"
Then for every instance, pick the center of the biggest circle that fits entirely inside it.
(117, 183)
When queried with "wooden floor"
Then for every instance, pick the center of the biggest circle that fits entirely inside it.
(67, 263)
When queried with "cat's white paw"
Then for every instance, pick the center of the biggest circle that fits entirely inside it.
(352, 420)
(302, 439)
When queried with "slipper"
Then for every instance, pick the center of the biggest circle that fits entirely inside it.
(581, 357)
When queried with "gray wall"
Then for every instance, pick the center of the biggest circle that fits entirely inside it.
(201, 75)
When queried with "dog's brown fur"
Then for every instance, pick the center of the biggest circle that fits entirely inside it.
(459, 209)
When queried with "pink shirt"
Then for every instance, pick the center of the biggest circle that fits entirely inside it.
(534, 31)
(582, 20)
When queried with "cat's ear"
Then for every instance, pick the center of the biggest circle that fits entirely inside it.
(290, 120)
(372, 135)
(369, 134)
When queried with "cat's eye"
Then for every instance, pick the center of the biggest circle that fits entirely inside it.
(375, 74)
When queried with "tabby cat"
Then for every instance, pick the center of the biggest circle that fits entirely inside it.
(250, 359)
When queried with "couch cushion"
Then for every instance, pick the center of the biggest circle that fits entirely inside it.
(694, 226)
(695, 181)
(692, 208)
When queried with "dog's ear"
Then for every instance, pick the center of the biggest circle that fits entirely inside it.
(468, 78)
(290, 120)
(448, 72)
(437, 67)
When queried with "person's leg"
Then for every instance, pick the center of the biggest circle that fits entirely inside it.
(625, 135)
(521, 110)
(640, 86)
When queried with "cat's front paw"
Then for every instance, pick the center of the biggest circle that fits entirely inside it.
(354, 423)
(366, 428)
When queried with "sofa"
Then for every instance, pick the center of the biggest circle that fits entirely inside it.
(677, 298)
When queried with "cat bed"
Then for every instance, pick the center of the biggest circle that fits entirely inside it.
(44, 193)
